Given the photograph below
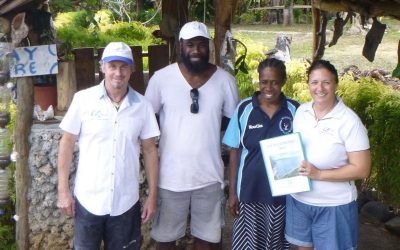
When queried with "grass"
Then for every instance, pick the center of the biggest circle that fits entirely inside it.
(347, 51)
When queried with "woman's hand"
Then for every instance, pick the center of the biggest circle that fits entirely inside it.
(308, 169)
(233, 205)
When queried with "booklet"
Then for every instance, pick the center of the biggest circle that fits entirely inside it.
(282, 157)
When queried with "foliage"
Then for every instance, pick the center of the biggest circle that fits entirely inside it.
(296, 84)
(247, 83)
(247, 18)
(196, 10)
(78, 29)
(57, 6)
(7, 224)
(148, 17)
(7, 229)
(396, 71)
(246, 87)
(74, 19)
(384, 138)
(121, 9)
(361, 95)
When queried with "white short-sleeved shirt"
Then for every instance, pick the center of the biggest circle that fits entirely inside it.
(190, 147)
(107, 178)
(327, 142)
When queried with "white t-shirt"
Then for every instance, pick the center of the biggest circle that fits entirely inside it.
(327, 142)
(107, 177)
(190, 154)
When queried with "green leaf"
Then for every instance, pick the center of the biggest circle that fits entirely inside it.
(396, 71)
(240, 59)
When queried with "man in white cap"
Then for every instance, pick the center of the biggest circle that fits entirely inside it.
(191, 97)
(110, 121)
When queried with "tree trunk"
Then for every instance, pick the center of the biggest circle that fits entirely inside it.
(274, 14)
(174, 15)
(139, 7)
(224, 10)
(288, 16)
(316, 27)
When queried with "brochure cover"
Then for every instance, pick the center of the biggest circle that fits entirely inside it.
(282, 157)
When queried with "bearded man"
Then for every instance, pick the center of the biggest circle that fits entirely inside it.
(191, 98)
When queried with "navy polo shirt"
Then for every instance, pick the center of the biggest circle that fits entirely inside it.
(248, 125)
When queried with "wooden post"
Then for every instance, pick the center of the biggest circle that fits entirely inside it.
(316, 13)
(66, 84)
(23, 124)
(85, 68)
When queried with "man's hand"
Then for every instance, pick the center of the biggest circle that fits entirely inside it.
(149, 209)
(66, 203)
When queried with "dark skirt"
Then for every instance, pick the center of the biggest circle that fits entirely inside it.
(259, 226)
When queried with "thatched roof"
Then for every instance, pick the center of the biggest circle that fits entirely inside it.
(368, 8)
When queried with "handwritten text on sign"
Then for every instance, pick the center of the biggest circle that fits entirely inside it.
(34, 61)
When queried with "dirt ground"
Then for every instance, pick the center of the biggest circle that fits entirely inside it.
(371, 236)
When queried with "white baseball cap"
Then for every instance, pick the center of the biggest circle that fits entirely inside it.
(193, 29)
(117, 51)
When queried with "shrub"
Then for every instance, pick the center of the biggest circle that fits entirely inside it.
(248, 83)
(384, 137)
(99, 32)
(247, 18)
(296, 84)
(72, 19)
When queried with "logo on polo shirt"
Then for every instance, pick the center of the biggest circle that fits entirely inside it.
(286, 124)
(255, 126)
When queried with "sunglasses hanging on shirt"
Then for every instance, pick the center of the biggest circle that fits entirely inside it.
(194, 107)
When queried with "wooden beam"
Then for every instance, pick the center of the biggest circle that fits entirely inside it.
(23, 124)
(363, 7)
(281, 7)
(12, 5)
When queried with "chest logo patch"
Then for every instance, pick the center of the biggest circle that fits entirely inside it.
(286, 125)
(255, 126)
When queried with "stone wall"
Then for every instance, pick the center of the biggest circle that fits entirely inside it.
(49, 229)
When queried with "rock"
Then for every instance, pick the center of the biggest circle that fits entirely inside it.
(362, 199)
(377, 212)
(393, 225)
(46, 169)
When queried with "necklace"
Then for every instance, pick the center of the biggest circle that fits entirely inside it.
(319, 115)
(117, 104)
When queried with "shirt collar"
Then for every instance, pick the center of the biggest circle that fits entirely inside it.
(337, 112)
(256, 103)
(132, 94)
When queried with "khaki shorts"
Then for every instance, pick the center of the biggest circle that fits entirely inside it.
(206, 206)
